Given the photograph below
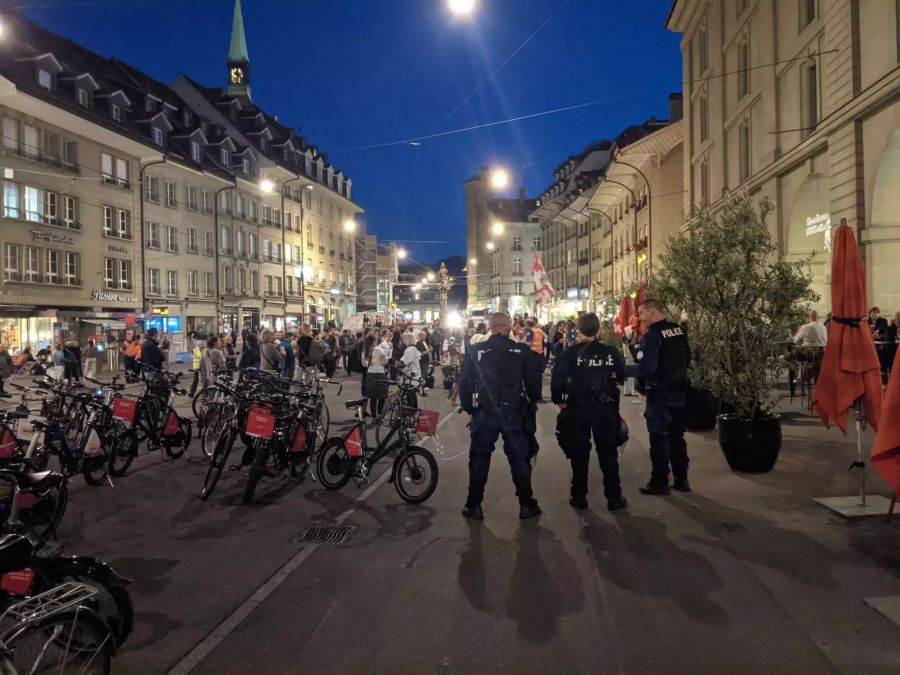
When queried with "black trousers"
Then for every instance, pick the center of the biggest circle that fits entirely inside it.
(665, 423)
(487, 426)
(584, 424)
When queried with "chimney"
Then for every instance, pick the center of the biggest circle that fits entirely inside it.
(675, 107)
(521, 195)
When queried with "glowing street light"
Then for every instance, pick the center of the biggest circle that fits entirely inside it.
(499, 179)
(497, 228)
(266, 185)
(473, 261)
(431, 276)
(424, 281)
(461, 7)
(349, 225)
(490, 246)
(401, 253)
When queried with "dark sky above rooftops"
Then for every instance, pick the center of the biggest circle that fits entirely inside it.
(352, 73)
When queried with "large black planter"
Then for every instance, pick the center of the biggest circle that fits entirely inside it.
(700, 410)
(750, 445)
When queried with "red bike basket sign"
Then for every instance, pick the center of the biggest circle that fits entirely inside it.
(171, 424)
(299, 440)
(260, 423)
(123, 409)
(353, 443)
(17, 582)
(427, 422)
(7, 444)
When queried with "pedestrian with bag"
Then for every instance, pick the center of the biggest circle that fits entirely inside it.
(250, 354)
(6, 369)
(662, 359)
(212, 362)
(585, 386)
(269, 354)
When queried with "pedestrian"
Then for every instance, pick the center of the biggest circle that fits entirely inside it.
(423, 345)
(500, 377)
(150, 354)
(289, 361)
(662, 361)
(331, 355)
(345, 344)
(585, 386)
(269, 354)
(376, 388)
(164, 346)
(410, 362)
(230, 355)
(72, 361)
(212, 362)
(90, 359)
(877, 324)
(6, 369)
(250, 355)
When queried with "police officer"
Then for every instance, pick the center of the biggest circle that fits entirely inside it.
(499, 381)
(585, 386)
(661, 365)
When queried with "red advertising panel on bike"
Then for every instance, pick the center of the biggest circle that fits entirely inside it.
(427, 422)
(171, 424)
(353, 443)
(123, 409)
(260, 423)
(7, 444)
(299, 440)
(17, 582)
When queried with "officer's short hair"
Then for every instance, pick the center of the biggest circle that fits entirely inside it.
(588, 324)
(650, 303)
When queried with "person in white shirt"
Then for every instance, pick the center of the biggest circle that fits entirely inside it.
(410, 361)
(376, 390)
(812, 333)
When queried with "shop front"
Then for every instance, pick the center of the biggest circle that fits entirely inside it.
(20, 328)
(200, 317)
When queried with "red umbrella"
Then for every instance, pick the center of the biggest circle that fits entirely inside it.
(886, 450)
(850, 374)
(623, 318)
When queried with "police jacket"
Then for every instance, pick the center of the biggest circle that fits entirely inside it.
(662, 357)
(587, 373)
(504, 373)
(151, 354)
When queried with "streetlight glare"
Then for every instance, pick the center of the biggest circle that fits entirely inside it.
(461, 7)
(266, 185)
(497, 228)
(431, 276)
(473, 261)
(490, 246)
(350, 225)
(401, 253)
(424, 281)
(499, 179)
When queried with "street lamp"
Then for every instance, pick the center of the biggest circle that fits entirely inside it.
(490, 246)
(401, 253)
(473, 261)
(424, 281)
(461, 7)
(499, 179)
(431, 276)
(497, 228)
(266, 186)
(349, 225)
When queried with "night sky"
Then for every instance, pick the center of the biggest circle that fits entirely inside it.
(352, 73)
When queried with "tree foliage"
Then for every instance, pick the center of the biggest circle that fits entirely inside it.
(741, 301)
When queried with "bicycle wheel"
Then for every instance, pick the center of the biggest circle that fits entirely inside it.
(178, 443)
(112, 603)
(415, 474)
(218, 461)
(257, 470)
(384, 423)
(123, 448)
(200, 404)
(324, 426)
(333, 464)
(217, 419)
(76, 641)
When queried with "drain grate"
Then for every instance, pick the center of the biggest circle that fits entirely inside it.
(325, 534)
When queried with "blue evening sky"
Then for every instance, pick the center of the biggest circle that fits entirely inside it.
(359, 72)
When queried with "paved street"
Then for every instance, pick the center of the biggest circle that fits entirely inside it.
(745, 573)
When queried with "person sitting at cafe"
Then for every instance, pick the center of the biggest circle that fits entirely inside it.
(893, 331)
(877, 324)
(812, 333)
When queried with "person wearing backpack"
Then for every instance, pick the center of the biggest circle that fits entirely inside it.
(585, 385)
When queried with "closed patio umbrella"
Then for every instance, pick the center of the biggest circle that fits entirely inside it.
(886, 449)
(850, 375)
(623, 318)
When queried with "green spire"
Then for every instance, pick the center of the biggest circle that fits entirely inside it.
(237, 53)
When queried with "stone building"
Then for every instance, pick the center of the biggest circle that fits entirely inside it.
(797, 101)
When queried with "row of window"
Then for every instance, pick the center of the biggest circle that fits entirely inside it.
(32, 142)
(33, 264)
(37, 205)
(155, 276)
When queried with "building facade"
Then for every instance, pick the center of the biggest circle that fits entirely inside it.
(491, 225)
(512, 260)
(139, 204)
(797, 102)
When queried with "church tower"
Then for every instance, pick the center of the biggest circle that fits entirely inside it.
(238, 59)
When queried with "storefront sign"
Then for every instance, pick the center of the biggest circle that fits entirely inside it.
(116, 248)
(161, 311)
(51, 237)
(336, 291)
(571, 293)
(821, 222)
(129, 319)
(107, 296)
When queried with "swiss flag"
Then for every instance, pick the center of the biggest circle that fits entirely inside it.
(543, 290)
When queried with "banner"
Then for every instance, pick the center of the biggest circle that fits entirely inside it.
(543, 290)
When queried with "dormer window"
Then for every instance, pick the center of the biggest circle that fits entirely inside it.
(45, 79)
(158, 136)
(195, 151)
(188, 118)
(203, 126)
(149, 105)
(288, 154)
(225, 156)
(116, 112)
(262, 143)
(245, 165)
(84, 98)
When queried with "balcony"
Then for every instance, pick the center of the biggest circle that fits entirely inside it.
(271, 259)
(321, 249)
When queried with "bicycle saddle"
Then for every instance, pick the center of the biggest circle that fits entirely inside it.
(355, 403)
(34, 481)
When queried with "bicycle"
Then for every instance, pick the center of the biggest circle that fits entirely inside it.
(350, 456)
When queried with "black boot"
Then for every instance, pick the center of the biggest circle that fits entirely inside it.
(578, 502)
(473, 512)
(660, 489)
(529, 509)
(616, 504)
(681, 484)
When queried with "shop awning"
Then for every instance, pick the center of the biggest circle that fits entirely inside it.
(114, 324)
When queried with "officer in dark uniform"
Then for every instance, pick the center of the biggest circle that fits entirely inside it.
(585, 386)
(661, 365)
(499, 381)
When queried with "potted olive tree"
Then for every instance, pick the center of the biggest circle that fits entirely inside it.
(741, 303)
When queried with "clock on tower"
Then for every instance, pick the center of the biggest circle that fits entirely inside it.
(238, 59)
